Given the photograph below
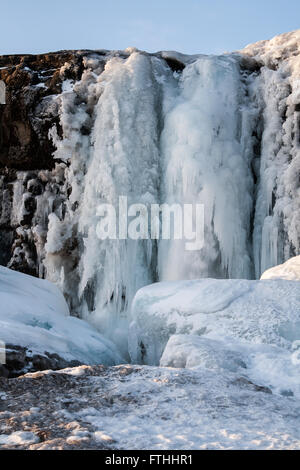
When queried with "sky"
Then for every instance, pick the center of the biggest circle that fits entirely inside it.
(188, 26)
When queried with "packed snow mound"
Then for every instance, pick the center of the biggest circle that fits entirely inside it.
(249, 327)
(290, 270)
(34, 314)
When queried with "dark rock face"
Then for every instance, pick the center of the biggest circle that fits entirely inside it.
(33, 83)
(26, 198)
(26, 118)
(20, 360)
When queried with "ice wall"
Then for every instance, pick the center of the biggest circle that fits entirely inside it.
(206, 158)
(133, 128)
(276, 225)
(119, 157)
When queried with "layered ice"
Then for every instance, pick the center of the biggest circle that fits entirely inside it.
(124, 162)
(155, 137)
(119, 158)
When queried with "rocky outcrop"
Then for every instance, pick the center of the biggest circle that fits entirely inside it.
(30, 110)
(20, 360)
(33, 84)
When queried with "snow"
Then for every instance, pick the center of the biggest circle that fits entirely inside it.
(192, 350)
(185, 59)
(290, 270)
(170, 408)
(252, 327)
(19, 438)
(285, 46)
(35, 315)
(142, 407)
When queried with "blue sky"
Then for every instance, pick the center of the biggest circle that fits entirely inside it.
(190, 26)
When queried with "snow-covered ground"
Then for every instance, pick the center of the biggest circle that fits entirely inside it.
(225, 374)
(34, 315)
(142, 407)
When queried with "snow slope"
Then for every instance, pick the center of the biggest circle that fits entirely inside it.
(34, 314)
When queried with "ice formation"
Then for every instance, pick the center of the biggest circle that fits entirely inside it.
(159, 128)
(277, 212)
(206, 149)
(203, 135)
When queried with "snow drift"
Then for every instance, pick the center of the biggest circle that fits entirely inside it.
(34, 314)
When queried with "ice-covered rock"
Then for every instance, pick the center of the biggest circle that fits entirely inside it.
(275, 367)
(285, 46)
(34, 318)
(290, 270)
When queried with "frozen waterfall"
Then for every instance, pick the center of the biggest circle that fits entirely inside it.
(206, 150)
(205, 134)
